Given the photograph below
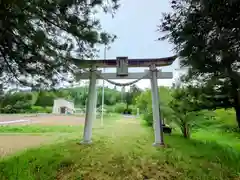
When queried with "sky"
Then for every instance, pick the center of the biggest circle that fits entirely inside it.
(135, 25)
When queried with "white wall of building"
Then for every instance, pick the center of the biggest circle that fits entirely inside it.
(58, 103)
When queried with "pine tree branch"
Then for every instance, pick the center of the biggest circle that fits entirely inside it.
(10, 68)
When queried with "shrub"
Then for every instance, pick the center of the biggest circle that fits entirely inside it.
(39, 109)
(109, 109)
(48, 109)
(133, 109)
(119, 107)
(7, 109)
(16, 103)
(148, 117)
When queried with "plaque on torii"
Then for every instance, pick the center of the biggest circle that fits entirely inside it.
(122, 66)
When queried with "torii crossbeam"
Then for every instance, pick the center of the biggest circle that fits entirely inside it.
(122, 64)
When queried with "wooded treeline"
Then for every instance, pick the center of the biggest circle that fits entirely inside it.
(42, 101)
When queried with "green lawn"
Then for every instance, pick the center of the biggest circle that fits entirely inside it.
(123, 150)
(39, 129)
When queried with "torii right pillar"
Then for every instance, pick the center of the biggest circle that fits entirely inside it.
(157, 122)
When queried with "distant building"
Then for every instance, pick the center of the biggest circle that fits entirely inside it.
(63, 106)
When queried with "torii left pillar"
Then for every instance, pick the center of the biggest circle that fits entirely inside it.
(157, 122)
(91, 108)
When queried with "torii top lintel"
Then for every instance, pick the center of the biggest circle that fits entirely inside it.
(136, 62)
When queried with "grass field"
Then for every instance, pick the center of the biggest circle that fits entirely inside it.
(121, 150)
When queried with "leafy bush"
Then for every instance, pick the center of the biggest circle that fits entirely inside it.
(133, 109)
(48, 109)
(16, 103)
(39, 109)
(144, 103)
(109, 109)
(7, 109)
(119, 107)
(176, 107)
(226, 118)
(148, 117)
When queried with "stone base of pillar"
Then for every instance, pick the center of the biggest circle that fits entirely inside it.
(85, 142)
(158, 145)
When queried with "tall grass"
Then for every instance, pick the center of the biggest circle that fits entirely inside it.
(122, 150)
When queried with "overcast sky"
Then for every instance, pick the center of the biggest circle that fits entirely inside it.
(135, 25)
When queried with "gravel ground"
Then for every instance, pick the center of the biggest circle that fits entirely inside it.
(43, 119)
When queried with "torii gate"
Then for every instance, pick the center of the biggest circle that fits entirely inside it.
(122, 64)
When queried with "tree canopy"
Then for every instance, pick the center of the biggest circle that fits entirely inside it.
(206, 37)
(39, 38)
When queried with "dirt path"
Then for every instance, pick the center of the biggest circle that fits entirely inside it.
(12, 143)
(41, 119)
(12, 117)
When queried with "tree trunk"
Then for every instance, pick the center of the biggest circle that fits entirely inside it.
(185, 131)
(237, 107)
(237, 111)
(236, 97)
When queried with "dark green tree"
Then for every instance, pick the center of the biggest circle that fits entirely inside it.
(45, 98)
(39, 38)
(206, 37)
(16, 103)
